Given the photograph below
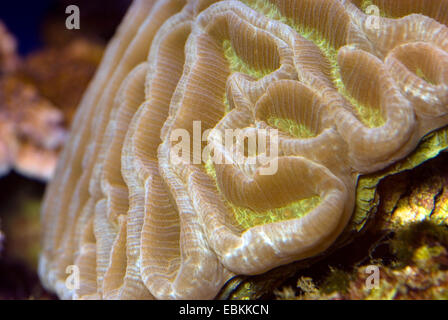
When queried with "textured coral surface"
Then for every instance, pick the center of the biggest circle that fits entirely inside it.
(349, 93)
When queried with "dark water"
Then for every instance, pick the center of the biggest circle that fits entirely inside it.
(24, 19)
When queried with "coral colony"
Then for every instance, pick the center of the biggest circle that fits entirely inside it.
(346, 95)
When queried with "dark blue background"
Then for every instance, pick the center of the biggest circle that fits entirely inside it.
(24, 19)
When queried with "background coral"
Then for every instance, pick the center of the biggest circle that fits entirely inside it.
(37, 102)
(36, 86)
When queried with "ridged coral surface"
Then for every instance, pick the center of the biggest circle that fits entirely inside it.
(349, 94)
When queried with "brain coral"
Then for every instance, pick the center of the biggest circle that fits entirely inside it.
(348, 93)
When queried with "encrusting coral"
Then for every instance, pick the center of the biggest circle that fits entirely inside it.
(405, 241)
(350, 95)
(418, 271)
